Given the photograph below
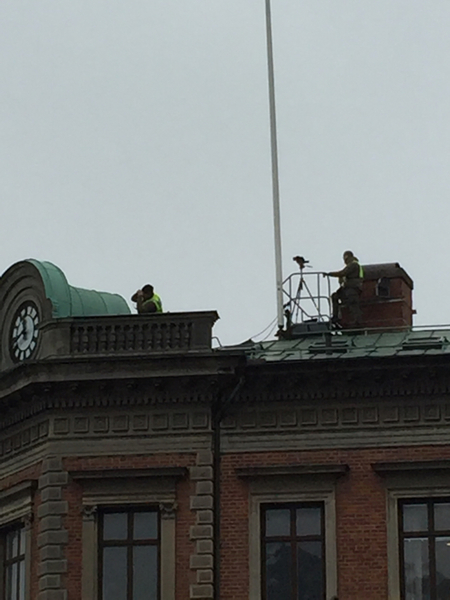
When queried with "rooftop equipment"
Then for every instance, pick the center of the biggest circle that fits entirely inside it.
(385, 301)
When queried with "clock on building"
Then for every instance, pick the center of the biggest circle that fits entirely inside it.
(24, 332)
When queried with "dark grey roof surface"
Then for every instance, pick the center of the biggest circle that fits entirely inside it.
(343, 345)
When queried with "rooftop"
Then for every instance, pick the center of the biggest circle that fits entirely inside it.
(358, 344)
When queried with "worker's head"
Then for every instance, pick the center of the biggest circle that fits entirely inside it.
(148, 291)
(348, 257)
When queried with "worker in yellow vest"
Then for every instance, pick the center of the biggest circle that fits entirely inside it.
(351, 280)
(147, 301)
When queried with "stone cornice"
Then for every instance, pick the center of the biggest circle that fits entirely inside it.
(265, 382)
(108, 474)
(330, 470)
(386, 469)
(25, 487)
(334, 364)
(153, 390)
(346, 378)
(118, 368)
(16, 502)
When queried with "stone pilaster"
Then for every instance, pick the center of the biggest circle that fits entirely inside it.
(52, 536)
(202, 561)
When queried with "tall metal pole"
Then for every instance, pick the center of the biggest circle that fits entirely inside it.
(275, 183)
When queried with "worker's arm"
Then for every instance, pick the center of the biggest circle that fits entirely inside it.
(342, 273)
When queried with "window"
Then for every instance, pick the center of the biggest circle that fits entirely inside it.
(293, 550)
(418, 503)
(150, 532)
(424, 538)
(292, 529)
(16, 518)
(14, 564)
(129, 555)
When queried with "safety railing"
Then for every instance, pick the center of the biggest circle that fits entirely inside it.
(307, 297)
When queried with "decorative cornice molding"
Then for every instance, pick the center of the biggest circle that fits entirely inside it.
(89, 512)
(179, 391)
(25, 487)
(354, 421)
(355, 413)
(27, 521)
(108, 474)
(386, 469)
(24, 439)
(116, 370)
(168, 510)
(16, 503)
(323, 470)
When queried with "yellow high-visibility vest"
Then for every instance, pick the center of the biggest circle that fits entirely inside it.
(156, 301)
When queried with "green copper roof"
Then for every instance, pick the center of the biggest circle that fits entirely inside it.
(342, 345)
(69, 301)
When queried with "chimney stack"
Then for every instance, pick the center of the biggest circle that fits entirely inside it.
(386, 299)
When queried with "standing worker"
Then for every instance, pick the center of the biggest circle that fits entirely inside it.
(351, 279)
(147, 301)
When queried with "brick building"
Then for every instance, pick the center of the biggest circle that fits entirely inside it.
(138, 463)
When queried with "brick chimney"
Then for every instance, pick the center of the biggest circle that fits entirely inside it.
(386, 298)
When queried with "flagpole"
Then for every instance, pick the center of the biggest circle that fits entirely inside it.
(275, 182)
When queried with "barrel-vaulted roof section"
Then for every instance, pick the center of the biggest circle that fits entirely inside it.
(69, 301)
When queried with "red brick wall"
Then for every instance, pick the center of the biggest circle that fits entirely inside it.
(361, 517)
(185, 518)
(360, 504)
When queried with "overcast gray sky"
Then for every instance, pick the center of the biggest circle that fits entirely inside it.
(134, 145)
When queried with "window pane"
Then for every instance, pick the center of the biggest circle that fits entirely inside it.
(12, 544)
(278, 571)
(115, 526)
(309, 521)
(278, 522)
(145, 526)
(310, 571)
(14, 581)
(416, 570)
(22, 580)
(442, 516)
(145, 573)
(9, 540)
(443, 568)
(15, 542)
(114, 573)
(8, 583)
(22, 541)
(415, 517)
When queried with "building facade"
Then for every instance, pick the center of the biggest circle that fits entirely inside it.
(138, 463)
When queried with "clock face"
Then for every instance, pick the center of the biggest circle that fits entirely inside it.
(24, 332)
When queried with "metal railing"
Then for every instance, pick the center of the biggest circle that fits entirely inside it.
(307, 297)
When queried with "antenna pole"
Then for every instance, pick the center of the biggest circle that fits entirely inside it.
(275, 183)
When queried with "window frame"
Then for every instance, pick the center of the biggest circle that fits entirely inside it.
(293, 540)
(16, 511)
(430, 534)
(132, 489)
(128, 543)
(21, 557)
(406, 481)
(292, 489)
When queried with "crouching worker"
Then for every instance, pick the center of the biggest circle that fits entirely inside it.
(147, 301)
(351, 280)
